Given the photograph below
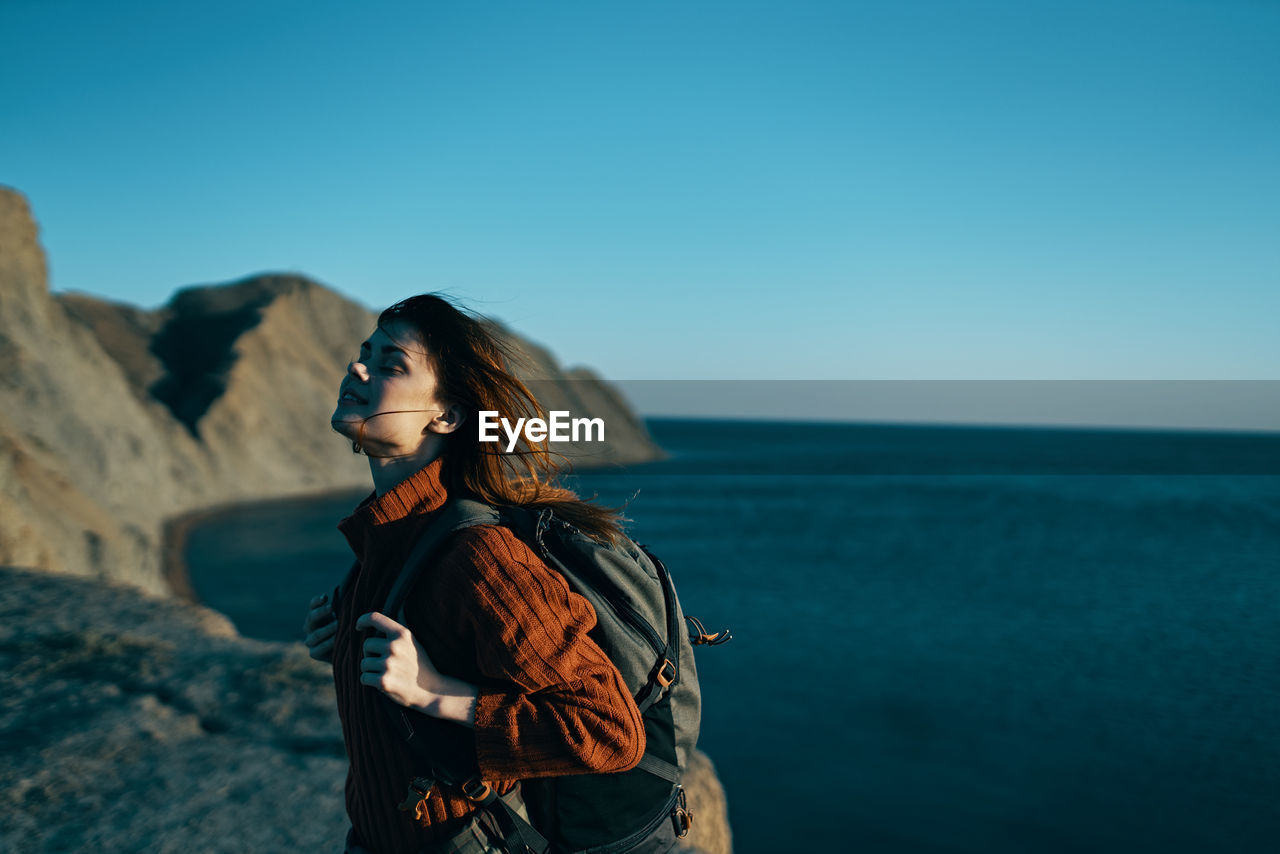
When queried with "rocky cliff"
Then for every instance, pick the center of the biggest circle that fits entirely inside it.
(114, 418)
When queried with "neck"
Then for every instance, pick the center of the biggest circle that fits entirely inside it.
(392, 470)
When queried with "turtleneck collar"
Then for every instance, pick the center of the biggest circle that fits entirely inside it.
(417, 495)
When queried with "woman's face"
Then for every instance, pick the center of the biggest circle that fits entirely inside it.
(390, 389)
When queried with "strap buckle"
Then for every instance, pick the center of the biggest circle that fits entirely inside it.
(682, 816)
(476, 790)
(415, 801)
(662, 677)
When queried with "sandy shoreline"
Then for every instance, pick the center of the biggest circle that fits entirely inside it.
(177, 530)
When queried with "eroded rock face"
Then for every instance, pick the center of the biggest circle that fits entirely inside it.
(23, 270)
(84, 464)
(114, 418)
(136, 723)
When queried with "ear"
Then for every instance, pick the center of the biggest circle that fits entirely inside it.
(448, 421)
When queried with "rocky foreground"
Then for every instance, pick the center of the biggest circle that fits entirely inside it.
(131, 723)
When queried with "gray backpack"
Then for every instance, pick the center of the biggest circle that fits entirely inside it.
(641, 628)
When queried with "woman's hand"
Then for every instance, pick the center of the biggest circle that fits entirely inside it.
(319, 628)
(399, 667)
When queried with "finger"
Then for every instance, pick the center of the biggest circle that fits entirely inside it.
(325, 632)
(321, 652)
(381, 622)
(377, 647)
(316, 619)
(373, 680)
(373, 665)
(319, 600)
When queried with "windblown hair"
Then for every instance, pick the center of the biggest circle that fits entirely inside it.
(472, 368)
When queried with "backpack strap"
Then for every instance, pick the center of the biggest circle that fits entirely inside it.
(659, 768)
(517, 835)
(419, 732)
(456, 515)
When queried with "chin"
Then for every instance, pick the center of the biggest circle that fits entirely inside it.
(343, 423)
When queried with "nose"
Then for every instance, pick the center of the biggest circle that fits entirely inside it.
(357, 369)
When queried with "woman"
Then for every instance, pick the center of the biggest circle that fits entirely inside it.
(492, 639)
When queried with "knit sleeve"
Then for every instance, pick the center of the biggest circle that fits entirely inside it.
(554, 703)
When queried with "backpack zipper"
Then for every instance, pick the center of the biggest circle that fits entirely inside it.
(621, 609)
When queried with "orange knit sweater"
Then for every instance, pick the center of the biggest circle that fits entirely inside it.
(488, 611)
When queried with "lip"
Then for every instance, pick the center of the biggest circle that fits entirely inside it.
(350, 398)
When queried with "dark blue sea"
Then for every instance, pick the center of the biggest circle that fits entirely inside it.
(946, 639)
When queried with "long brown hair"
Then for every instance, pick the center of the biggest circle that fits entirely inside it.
(472, 367)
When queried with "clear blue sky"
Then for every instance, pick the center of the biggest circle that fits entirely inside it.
(841, 190)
